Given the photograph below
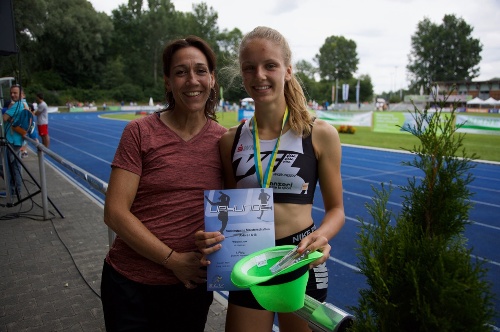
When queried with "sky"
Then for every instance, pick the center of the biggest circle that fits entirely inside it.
(381, 29)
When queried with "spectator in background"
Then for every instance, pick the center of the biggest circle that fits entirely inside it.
(42, 119)
(15, 139)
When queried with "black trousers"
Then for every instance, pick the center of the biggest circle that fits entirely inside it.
(131, 306)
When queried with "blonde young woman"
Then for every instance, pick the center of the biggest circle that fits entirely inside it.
(308, 150)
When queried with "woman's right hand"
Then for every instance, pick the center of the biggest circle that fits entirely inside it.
(188, 268)
(208, 242)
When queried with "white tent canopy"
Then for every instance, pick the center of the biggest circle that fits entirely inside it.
(491, 101)
(476, 101)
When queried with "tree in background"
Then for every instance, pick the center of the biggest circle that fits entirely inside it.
(419, 271)
(202, 22)
(306, 70)
(321, 91)
(337, 58)
(366, 88)
(73, 53)
(306, 74)
(74, 42)
(227, 62)
(445, 52)
(29, 18)
(337, 62)
(160, 24)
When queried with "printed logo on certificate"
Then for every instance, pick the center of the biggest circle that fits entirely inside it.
(246, 218)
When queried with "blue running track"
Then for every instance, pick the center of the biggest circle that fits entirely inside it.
(89, 142)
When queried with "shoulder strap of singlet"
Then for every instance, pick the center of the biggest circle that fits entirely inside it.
(236, 139)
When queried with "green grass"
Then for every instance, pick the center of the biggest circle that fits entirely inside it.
(121, 116)
(486, 147)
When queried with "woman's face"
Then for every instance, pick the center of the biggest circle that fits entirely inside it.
(264, 70)
(190, 79)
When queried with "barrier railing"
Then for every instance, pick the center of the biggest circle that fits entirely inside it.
(321, 317)
(95, 182)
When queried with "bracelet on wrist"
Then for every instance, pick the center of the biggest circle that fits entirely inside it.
(167, 258)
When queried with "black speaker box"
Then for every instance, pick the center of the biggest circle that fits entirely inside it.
(7, 27)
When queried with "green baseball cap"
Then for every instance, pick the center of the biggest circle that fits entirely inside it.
(283, 291)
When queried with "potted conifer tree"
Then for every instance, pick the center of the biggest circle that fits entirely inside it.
(419, 271)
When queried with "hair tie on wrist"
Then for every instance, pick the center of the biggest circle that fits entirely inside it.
(167, 258)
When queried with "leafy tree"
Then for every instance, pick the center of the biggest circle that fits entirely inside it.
(202, 22)
(29, 19)
(419, 270)
(337, 58)
(322, 91)
(160, 24)
(445, 52)
(67, 45)
(128, 92)
(365, 88)
(306, 69)
(128, 43)
(305, 73)
(310, 86)
(228, 42)
(114, 74)
(74, 41)
(49, 79)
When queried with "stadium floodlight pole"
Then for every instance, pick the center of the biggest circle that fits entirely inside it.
(324, 317)
(336, 87)
(336, 91)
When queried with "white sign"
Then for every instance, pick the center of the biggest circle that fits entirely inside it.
(345, 92)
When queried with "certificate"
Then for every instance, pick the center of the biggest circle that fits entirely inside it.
(246, 218)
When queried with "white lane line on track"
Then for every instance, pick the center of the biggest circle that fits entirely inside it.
(356, 220)
(486, 260)
(368, 197)
(355, 268)
(352, 267)
(483, 203)
(388, 184)
(83, 151)
(485, 225)
(407, 152)
(86, 138)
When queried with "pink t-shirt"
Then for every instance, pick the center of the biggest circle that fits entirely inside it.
(169, 199)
